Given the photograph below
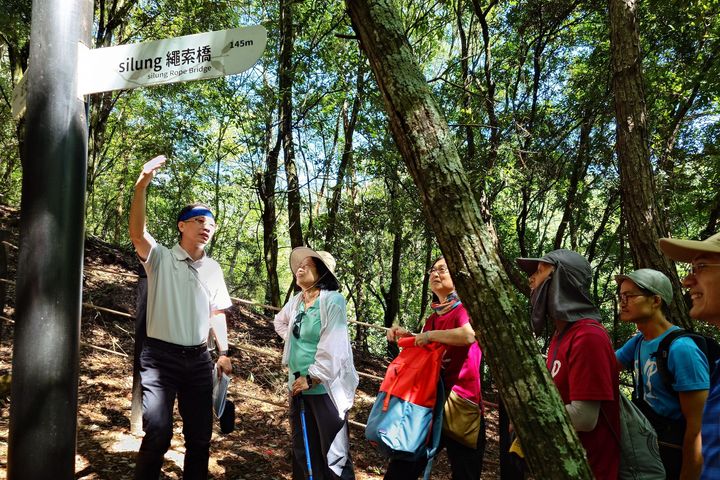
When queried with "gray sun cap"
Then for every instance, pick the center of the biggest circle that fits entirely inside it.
(652, 280)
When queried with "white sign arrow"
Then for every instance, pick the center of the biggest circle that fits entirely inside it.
(192, 57)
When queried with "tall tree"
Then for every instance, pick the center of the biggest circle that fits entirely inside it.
(266, 180)
(421, 134)
(579, 168)
(286, 79)
(266, 191)
(349, 124)
(391, 294)
(644, 220)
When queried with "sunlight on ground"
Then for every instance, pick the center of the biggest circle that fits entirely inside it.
(125, 443)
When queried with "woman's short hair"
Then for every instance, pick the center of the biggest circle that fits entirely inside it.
(326, 279)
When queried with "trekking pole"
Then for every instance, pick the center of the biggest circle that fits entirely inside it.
(304, 429)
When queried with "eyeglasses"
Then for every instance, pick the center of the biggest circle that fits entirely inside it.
(441, 270)
(696, 268)
(298, 324)
(624, 297)
(203, 222)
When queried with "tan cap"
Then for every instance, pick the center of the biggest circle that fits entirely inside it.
(687, 250)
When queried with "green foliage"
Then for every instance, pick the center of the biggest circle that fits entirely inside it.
(547, 76)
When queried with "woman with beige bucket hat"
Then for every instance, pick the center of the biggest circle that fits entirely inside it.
(321, 374)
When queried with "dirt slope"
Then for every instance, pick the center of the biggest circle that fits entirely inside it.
(259, 447)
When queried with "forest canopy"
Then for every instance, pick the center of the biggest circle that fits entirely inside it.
(525, 86)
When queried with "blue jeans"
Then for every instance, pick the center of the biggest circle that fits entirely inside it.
(168, 371)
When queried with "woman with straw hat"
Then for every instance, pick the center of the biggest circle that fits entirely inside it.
(322, 377)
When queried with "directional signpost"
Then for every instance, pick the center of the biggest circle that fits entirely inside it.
(192, 57)
(43, 411)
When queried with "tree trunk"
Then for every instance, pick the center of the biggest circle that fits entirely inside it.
(644, 220)
(425, 295)
(357, 262)
(421, 134)
(392, 294)
(493, 122)
(578, 171)
(111, 20)
(17, 56)
(671, 132)
(345, 159)
(286, 81)
(467, 79)
(266, 191)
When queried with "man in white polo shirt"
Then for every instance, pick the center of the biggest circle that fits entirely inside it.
(186, 299)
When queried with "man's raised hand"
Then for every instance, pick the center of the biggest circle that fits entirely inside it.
(148, 170)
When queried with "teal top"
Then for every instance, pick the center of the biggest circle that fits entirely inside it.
(303, 349)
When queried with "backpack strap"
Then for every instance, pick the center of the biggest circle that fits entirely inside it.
(433, 439)
(662, 354)
(639, 390)
(615, 434)
(707, 345)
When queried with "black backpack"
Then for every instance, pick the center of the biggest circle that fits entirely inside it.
(671, 431)
(707, 345)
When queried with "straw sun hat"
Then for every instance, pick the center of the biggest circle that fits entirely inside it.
(298, 254)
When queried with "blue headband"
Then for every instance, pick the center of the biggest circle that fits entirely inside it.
(196, 212)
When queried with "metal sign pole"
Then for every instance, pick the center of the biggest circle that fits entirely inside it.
(43, 411)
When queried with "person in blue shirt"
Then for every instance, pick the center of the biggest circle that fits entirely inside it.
(703, 285)
(674, 410)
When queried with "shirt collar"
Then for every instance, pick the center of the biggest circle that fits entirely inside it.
(181, 255)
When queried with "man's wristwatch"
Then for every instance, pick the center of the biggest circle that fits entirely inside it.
(222, 353)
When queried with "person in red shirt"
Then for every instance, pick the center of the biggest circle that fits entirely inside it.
(581, 359)
(449, 324)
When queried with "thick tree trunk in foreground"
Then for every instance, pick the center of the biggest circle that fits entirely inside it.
(642, 215)
(422, 136)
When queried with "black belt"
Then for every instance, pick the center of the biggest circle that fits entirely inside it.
(175, 348)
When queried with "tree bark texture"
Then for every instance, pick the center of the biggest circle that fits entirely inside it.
(643, 217)
(392, 294)
(286, 86)
(421, 134)
(266, 191)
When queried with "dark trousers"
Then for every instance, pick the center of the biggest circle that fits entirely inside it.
(323, 426)
(465, 462)
(168, 371)
(672, 461)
